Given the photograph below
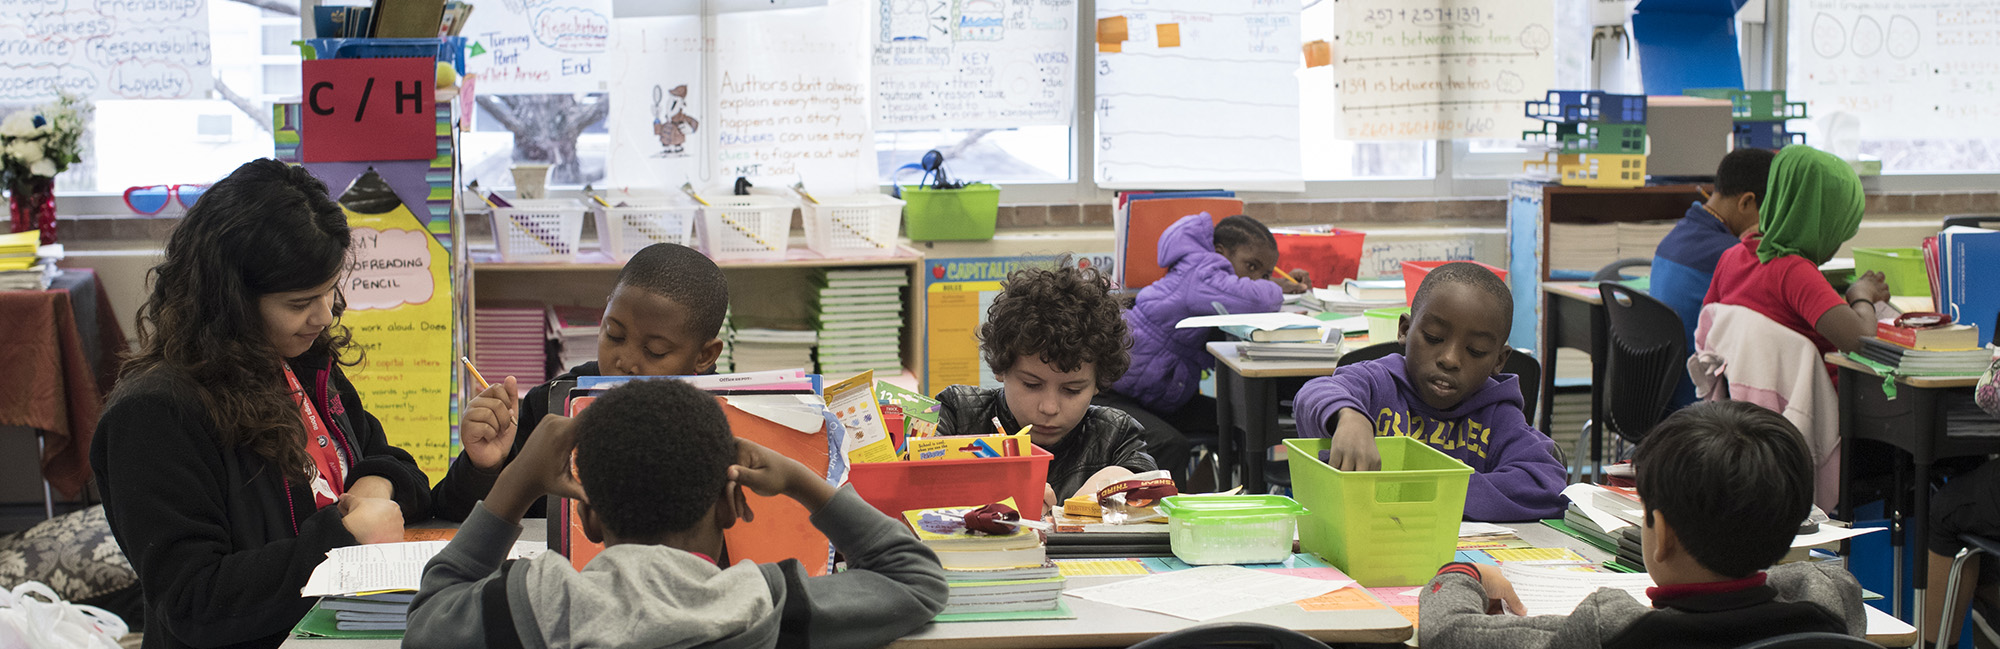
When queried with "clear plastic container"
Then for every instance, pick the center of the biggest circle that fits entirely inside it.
(747, 228)
(1208, 530)
(643, 221)
(538, 230)
(861, 225)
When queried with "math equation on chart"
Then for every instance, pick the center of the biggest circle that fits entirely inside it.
(1410, 71)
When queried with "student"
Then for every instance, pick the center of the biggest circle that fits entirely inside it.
(664, 478)
(662, 319)
(1209, 265)
(1445, 390)
(1725, 485)
(1967, 504)
(1813, 206)
(1055, 338)
(235, 453)
(1684, 263)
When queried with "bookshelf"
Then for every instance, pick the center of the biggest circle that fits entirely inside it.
(1532, 207)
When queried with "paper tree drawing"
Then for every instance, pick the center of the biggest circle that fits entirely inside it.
(671, 122)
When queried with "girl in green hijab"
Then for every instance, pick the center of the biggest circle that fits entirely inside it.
(1812, 205)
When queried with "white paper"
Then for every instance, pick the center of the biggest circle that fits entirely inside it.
(1607, 510)
(1482, 529)
(386, 566)
(535, 47)
(1208, 592)
(1829, 534)
(1460, 70)
(1260, 321)
(660, 106)
(1880, 623)
(104, 50)
(798, 412)
(1907, 70)
(790, 97)
(966, 65)
(1549, 591)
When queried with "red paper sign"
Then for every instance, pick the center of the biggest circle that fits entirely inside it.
(359, 110)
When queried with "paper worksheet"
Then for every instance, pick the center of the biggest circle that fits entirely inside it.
(386, 566)
(1263, 321)
(1549, 591)
(1208, 592)
(1482, 529)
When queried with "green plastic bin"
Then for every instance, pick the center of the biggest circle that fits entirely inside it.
(966, 214)
(1392, 527)
(1902, 267)
(1209, 530)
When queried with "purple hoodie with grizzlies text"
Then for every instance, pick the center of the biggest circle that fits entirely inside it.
(1515, 474)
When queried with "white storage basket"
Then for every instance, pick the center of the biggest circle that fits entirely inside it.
(862, 225)
(538, 230)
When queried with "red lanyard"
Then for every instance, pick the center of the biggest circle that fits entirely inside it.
(329, 477)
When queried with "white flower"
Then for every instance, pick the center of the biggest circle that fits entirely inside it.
(46, 168)
(26, 152)
(21, 123)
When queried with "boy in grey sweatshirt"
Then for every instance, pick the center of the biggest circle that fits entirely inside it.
(664, 477)
(1724, 486)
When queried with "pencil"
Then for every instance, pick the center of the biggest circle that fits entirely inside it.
(483, 385)
(1281, 273)
(998, 427)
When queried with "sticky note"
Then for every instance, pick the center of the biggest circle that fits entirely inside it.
(1111, 31)
(1345, 599)
(1100, 567)
(1109, 48)
(1169, 34)
(1318, 53)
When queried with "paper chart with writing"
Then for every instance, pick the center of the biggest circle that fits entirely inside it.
(526, 47)
(1198, 94)
(1208, 592)
(790, 93)
(1444, 69)
(106, 49)
(958, 64)
(1907, 69)
(399, 313)
(659, 106)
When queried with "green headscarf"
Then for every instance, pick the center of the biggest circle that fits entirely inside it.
(1812, 205)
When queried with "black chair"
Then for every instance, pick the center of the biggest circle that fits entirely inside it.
(1243, 635)
(1648, 353)
(1974, 546)
(1971, 220)
(1612, 272)
(1812, 640)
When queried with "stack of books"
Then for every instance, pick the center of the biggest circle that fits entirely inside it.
(25, 265)
(724, 364)
(508, 340)
(1950, 350)
(574, 328)
(759, 349)
(1355, 296)
(860, 318)
(1003, 573)
(1309, 350)
(1605, 516)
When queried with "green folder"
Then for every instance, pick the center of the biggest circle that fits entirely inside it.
(320, 623)
(1060, 612)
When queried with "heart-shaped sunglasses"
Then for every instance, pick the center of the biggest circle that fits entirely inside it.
(151, 199)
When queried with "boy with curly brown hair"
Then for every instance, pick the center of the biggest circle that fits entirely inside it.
(1055, 338)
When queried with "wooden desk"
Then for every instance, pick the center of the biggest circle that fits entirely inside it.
(1575, 319)
(1914, 422)
(1246, 400)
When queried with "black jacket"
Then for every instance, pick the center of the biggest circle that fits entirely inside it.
(221, 543)
(465, 485)
(1105, 437)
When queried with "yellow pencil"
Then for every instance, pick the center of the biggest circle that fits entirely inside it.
(483, 385)
(1281, 273)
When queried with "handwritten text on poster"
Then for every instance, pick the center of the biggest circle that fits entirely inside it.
(947, 64)
(540, 46)
(107, 49)
(791, 98)
(1454, 69)
(1906, 69)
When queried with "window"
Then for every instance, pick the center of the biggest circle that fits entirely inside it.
(1029, 154)
(567, 131)
(1327, 157)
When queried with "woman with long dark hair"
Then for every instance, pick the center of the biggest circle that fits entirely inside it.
(235, 453)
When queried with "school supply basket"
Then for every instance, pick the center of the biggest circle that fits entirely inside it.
(1765, 135)
(897, 487)
(1902, 268)
(1383, 323)
(1330, 254)
(538, 230)
(1589, 106)
(1414, 273)
(746, 228)
(1392, 527)
(965, 214)
(1208, 530)
(630, 225)
(862, 225)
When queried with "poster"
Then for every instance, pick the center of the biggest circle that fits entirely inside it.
(399, 312)
(969, 64)
(534, 47)
(790, 99)
(660, 106)
(957, 293)
(1460, 69)
(106, 49)
(1198, 94)
(1907, 69)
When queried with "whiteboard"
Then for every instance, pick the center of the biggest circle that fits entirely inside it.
(1198, 94)
(532, 47)
(964, 64)
(660, 106)
(1907, 69)
(107, 49)
(1459, 69)
(789, 90)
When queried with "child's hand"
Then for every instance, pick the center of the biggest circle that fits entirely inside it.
(371, 520)
(1499, 592)
(1870, 286)
(769, 473)
(1049, 501)
(488, 426)
(1290, 286)
(542, 468)
(1104, 477)
(1353, 446)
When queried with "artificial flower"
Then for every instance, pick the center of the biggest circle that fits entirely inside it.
(21, 123)
(45, 169)
(26, 152)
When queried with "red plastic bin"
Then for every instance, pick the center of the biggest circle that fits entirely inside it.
(1414, 272)
(897, 487)
(1332, 256)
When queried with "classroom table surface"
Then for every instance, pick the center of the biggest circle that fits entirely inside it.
(1225, 353)
(1585, 291)
(1841, 360)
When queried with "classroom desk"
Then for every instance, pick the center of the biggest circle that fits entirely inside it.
(1246, 399)
(532, 529)
(1915, 423)
(1575, 319)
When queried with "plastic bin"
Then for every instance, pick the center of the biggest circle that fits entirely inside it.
(1589, 106)
(450, 49)
(1392, 527)
(624, 231)
(1209, 530)
(1331, 255)
(1414, 272)
(1765, 135)
(1383, 323)
(1903, 268)
(862, 225)
(966, 214)
(897, 487)
(1604, 170)
(538, 230)
(746, 228)
(1764, 106)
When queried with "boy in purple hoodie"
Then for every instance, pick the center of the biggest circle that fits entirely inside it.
(1446, 390)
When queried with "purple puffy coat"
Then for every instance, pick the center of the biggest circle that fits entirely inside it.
(1167, 362)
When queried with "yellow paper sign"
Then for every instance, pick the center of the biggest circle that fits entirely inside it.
(398, 293)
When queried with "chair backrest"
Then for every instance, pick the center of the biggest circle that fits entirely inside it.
(1812, 640)
(1648, 355)
(1521, 364)
(1369, 353)
(1232, 634)
(1612, 272)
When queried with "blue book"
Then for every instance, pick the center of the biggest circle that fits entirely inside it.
(1965, 252)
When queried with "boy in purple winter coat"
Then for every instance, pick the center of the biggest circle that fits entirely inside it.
(1446, 391)
(1209, 264)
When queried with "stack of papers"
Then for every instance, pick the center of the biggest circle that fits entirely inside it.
(758, 350)
(860, 320)
(1298, 351)
(1209, 592)
(382, 567)
(1262, 327)
(1639, 240)
(1338, 300)
(1583, 247)
(25, 265)
(574, 329)
(725, 364)
(509, 339)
